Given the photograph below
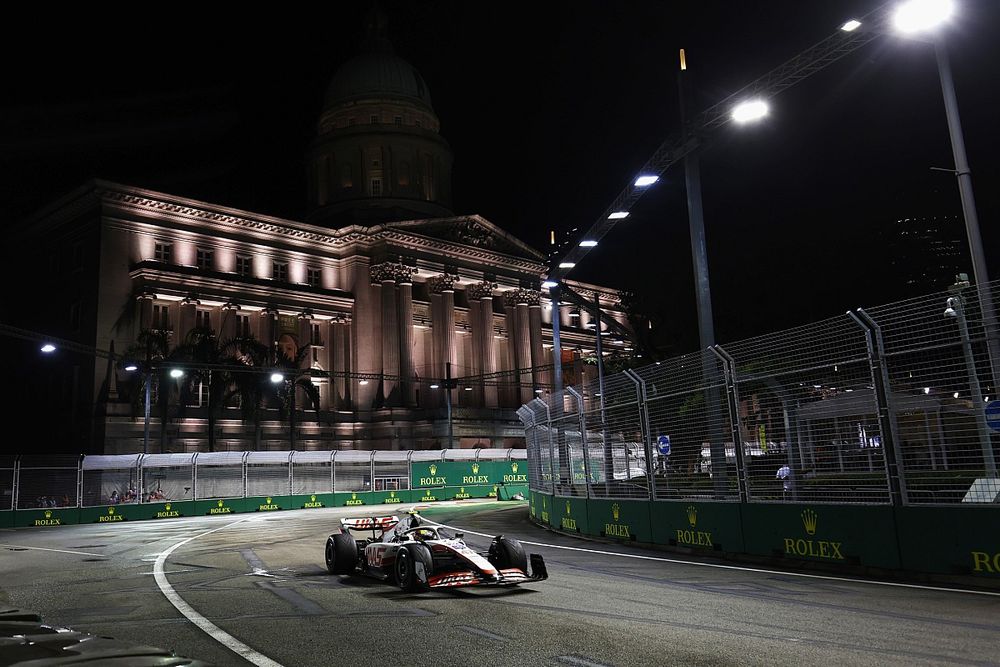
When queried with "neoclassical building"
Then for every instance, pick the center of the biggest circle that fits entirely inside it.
(390, 290)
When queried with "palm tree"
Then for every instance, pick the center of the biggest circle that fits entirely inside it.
(212, 364)
(152, 348)
(286, 391)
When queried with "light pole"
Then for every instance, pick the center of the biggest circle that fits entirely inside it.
(912, 18)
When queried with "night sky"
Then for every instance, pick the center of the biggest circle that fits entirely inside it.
(550, 111)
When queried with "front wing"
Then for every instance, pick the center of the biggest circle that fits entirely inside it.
(508, 577)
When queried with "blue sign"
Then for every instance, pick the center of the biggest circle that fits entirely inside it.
(993, 415)
(663, 444)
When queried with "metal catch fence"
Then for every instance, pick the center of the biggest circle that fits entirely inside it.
(889, 405)
(29, 482)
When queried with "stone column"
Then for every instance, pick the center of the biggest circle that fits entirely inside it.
(476, 294)
(227, 328)
(387, 275)
(522, 298)
(305, 338)
(268, 320)
(512, 381)
(337, 366)
(186, 317)
(407, 387)
(538, 377)
(442, 293)
(484, 341)
(145, 304)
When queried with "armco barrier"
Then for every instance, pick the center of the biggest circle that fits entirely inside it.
(571, 515)
(702, 526)
(942, 540)
(46, 517)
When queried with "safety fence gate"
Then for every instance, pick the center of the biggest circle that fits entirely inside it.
(868, 439)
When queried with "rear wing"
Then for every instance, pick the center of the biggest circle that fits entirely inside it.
(372, 523)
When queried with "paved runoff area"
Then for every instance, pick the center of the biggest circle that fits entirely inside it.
(253, 589)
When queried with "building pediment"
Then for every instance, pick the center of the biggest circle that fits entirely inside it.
(468, 230)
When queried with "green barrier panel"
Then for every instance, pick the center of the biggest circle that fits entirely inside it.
(465, 492)
(624, 520)
(267, 503)
(950, 540)
(47, 517)
(433, 474)
(697, 525)
(848, 535)
(511, 473)
(169, 510)
(6, 518)
(220, 506)
(427, 495)
(540, 506)
(508, 491)
(311, 501)
(137, 512)
(352, 499)
(571, 515)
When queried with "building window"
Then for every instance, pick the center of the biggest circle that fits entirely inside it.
(374, 119)
(279, 271)
(346, 176)
(376, 187)
(204, 258)
(313, 277)
(163, 252)
(243, 326)
(397, 120)
(316, 340)
(203, 319)
(161, 317)
(243, 265)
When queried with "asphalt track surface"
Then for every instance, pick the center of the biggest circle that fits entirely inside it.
(256, 586)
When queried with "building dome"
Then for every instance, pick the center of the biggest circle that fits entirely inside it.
(377, 75)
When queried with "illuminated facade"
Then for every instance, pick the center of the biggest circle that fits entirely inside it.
(384, 283)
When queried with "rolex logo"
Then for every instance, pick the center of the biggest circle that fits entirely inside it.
(167, 507)
(269, 500)
(354, 496)
(568, 508)
(111, 510)
(220, 503)
(615, 509)
(513, 467)
(809, 519)
(461, 490)
(692, 514)
(312, 499)
(434, 469)
(475, 468)
(48, 514)
(392, 494)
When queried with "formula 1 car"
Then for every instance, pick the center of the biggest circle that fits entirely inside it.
(417, 556)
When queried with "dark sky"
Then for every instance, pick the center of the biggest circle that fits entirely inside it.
(549, 111)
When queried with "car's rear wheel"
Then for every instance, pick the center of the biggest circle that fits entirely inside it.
(341, 553)
(409, 559)
(506, 552)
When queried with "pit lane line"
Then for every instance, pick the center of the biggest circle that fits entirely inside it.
(212, 630)
(870, 582)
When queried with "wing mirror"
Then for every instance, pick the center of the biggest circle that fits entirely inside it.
(459, 536)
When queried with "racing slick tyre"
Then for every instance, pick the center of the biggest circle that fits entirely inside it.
(341, 553)
(506, 552)
(406, 567)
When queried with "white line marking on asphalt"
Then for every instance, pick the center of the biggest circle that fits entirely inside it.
(212, 630)
(871, 582)
(62, 551)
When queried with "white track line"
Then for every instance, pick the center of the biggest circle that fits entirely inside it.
(62, 551)
(213, 631)
(871, 582)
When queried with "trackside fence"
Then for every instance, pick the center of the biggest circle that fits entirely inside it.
(53, 491)
(866, 439)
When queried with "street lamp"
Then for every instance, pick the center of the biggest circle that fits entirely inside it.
(914, 17)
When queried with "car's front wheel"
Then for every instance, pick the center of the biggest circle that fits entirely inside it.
(410, 560)
(506, 552)
(341, 553)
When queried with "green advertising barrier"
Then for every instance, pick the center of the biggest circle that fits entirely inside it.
(623, 520)
(137, 512)
(434, 474)
(267, 503)
(700, 525)
(220, 506)
(950, 540)
(6, 518)
(834, 534)
(540, 505)
(366, 498)
(46, 517)
(570, 515)
(311, 501)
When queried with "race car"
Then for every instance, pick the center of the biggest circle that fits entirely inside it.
(418, 556)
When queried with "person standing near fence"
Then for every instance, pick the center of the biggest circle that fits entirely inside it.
(785, 475)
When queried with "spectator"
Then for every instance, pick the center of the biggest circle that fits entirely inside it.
(787, 481)
(115, 498)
